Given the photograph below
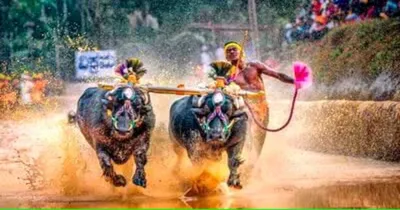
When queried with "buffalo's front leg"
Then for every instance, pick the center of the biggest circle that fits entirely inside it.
(139, 178)
(234, 161)
(108, 169)
(140, 154)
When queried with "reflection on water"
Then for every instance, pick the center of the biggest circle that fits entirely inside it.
(372, 195)
(344, 195)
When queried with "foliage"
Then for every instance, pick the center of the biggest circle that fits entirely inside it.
(51, 30)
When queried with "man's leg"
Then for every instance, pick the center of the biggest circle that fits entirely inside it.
(261, 112)
(258, 136)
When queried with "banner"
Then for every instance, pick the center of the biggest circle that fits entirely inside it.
(95, 64)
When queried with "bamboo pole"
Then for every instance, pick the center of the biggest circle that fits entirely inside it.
(185, 91)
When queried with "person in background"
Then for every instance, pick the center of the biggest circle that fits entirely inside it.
(391, 9)
(288, 31)
(26, 86)
(3, 84)
(318, 28)
(38, 89)
(352, 17)
(219, 53)
(205, 59)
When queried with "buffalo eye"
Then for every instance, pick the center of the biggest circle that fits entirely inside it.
(207, 109)
(199, 112)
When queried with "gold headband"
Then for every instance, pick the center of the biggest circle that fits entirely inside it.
(233, 45)
(236, 46)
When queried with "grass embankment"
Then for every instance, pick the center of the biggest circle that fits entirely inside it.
(355, 62)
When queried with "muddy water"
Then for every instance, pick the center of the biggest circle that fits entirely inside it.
(44, 162)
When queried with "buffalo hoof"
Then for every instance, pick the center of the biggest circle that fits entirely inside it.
(71, 117)
(139, 178)
(234, 182)
(119, 181)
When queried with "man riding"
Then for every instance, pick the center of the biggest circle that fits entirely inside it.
(248, 76)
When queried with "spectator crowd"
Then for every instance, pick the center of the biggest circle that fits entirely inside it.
(25, 89)
(316, 18)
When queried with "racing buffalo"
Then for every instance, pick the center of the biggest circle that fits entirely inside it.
(206, 126)
(117, 124)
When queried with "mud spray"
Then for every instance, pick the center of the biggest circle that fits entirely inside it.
(46, 162)
(80, 172)
(42, 141)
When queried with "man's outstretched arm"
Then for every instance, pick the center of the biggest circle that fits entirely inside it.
(264, 69)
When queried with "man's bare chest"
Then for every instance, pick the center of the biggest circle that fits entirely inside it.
(249, 79)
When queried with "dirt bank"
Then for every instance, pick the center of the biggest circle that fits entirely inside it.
(357, 128)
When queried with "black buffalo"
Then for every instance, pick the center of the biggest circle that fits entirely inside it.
(117, 124)
(206, 127)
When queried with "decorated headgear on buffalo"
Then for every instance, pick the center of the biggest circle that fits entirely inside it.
(221, 72)
(134, 65)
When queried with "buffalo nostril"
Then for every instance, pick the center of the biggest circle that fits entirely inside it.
(123, 129)
(217, 135)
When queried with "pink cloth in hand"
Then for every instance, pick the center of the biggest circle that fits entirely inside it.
(302, 75)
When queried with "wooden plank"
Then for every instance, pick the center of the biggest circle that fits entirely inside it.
(176, 91)
(184, 90)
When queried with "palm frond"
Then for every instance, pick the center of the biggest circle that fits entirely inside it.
(220, 69)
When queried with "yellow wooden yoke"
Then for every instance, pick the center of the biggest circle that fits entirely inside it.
(181, 90)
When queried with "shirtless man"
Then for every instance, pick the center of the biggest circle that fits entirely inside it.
(249, 77)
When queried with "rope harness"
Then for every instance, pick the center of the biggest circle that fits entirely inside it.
(218, 113)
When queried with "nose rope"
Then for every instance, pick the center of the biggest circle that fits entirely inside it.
(128, 108)
(217, 113)
(119, 112)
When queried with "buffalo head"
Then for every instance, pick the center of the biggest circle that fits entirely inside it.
(217, 113)
(126, 106)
